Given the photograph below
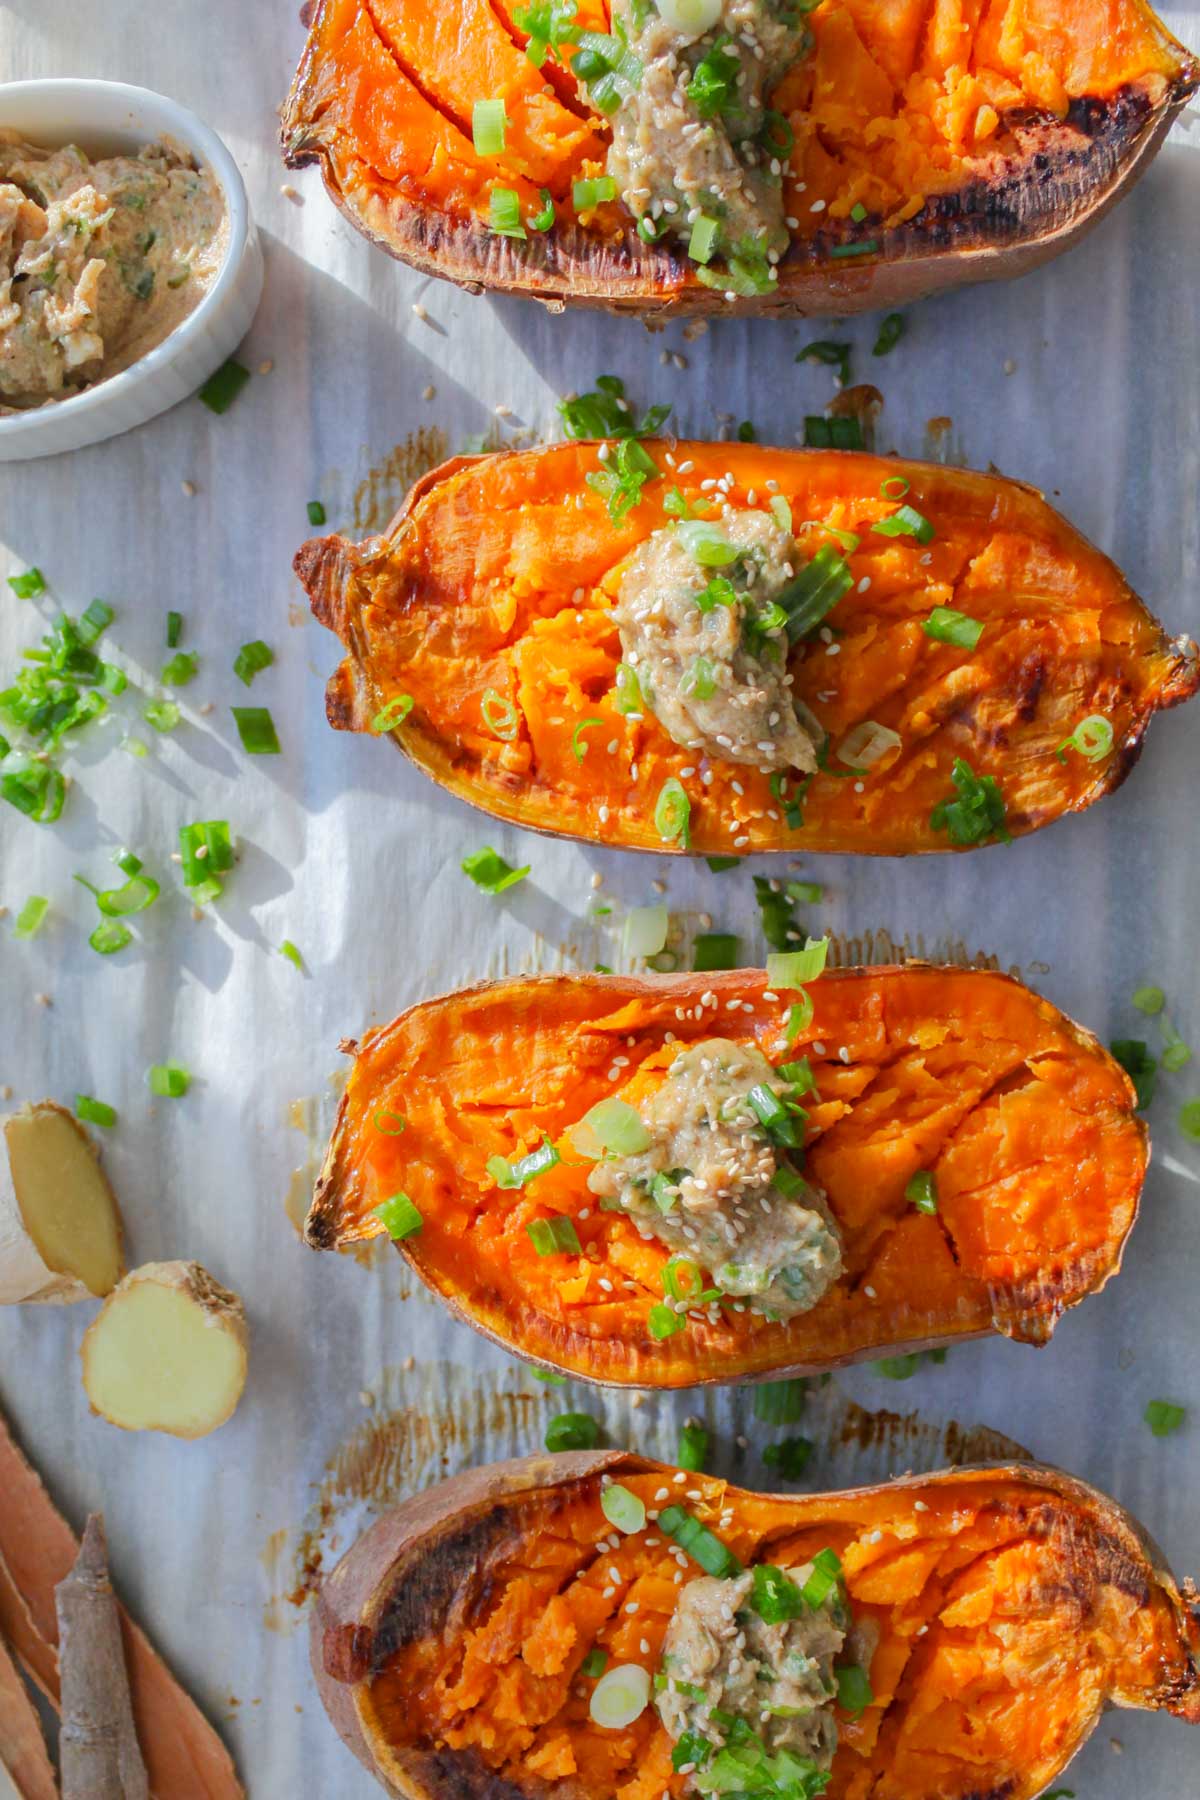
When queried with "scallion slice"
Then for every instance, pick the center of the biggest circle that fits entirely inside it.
(715, 950)
(1149, 1000)
(707, 543)
(663, 1321)
(592, 190)
(826, 1574)
(775, 1597)
(543, 219)
(489, 122)
(906, 521)
(174, 629)
(180, 669)
(921, 1191)
(168, 1080)
(611, 1125)
(163, 715)
(399, 1216)
(393, 714)
(499, 715)
(1163, 1417)
(854, 1689)
(951, 627)
(976, 815)
(550, 1236)
(693, 1448)
(389, 1123)
(815, 592)
(698, 1542)
(222, 389)
(891, 330)
(316, 513)
(504, 213)
(489, 871)
(29, 585)
(256, 728)
(703, 241)
(719, 864)
(627, 690)
(578, 746)
(572, 1431)
(594, 1664)
(31, 917)
(292, 952)
(110, 936)
(252, 658)
(834, 355)
(95, 1112)
(206, 851)
(800, 1017)
(790, 1457)
(1189, 1120)
(1092, 737)
(672, 813)
(793, 968)
(620, 1697)
(623, 1509)
(780, 1402)
(781, 512)
(645, 930)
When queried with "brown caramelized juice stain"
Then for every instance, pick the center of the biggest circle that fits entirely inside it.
(384, 488)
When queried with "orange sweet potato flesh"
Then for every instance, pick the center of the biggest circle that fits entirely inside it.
(499, 576)
(1012, 1604)
(1025, 1121)
(980, 136)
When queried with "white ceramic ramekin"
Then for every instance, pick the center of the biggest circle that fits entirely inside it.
(107, 117)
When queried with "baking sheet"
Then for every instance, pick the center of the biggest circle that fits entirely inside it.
(1082, 378)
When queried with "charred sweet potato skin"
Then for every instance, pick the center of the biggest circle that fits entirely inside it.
(499, 575)
(987, 173)
(1025, 1121)
(492, 1585)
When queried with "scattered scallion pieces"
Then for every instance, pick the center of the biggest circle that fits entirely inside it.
(951, 627)
(256, 728)
(549, 1377)
(719, 864)
(698, 1542)
(489, 123)
(715, 950)
(624, 474)
(168, 1080)
(572, 1431)
(31, 917)
(1134, 1056)
(826, 1574)
(1163, 1417)
(206, 853)
(593, 1664)
(174, 629)
(110, 936)
(833, 433)
(592, 190)
(292, 952)
(794, 968)
(775, 1597)
(664, 1321)
(611, 1124)
(644, 932)
(94, 1112)
(672, 813)
(399, 1216)
(579, 747)
(393, 714)
(1189, 1120)
(921, 1191)
(834, 356)
(891, 330)
(543, 219)
(789, 1458)
(623, 1508)
(504, 213)
(693, 1448)
(251, 659)
(1149, 1000)
(703, 241)
(897, 1368)
(606, 413)
(389, 1123)
(222, 389)
(163, 715)
(854, 1689)
(180, 668)
(906, 521)
(29, 585)
(489, 871)
(976, 815)
(1092, 738)
(499, 715)
(779, 1402)
(316, 512)
(800, 1017)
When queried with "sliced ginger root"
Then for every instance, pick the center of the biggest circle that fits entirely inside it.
(167, 1351)
(60, 1228)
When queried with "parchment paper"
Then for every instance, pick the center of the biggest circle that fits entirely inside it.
(1082, 378)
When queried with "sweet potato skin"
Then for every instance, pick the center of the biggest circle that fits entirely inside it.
(1059, 177)
(911, 1282)
(485, 576)
(407, 1577)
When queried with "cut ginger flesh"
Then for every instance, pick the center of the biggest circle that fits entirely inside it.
(1007, 1614)
(167, 1352)
(1025, 1122)
(65, 1202)
(893, 105)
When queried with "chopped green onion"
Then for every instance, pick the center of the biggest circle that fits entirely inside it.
(251, 658)
(645, 930)
(548, 24)
(854, 1689)
(692, 1750)
(921, 1191)
(611, 1124)
(572, 1431)
(1092, 737)
(504, 213)
(543, 219)
(180, 669)
(950, 627)
(789, 1458)
(977, 815)
(707, 543)
(399, 1217)
(291, 951)
(316, 513)
(700, 679)
(858, 212)
(672, 813)
(605, 413)
(94, 1112)
(1189, 1120)
(1163, 1417)
(489, 121)
(163, 715)
(222, 389)
(168, 1080)
(549, 1377)
(382, 1121)
(133, 896)
(620, 1696)
(664, 1321)
(893, 487)
(28, 585)
(715, 950)
(550, 1236)
(799, 1018)
(906, 521)
(698, 1542)
(393, 714)
(775, 1597)
(891, 331)
(174, 629)
(206, 850)
(623, 1509)
(608, 68)
(703, 241)
(109, 937)
(835, 356)
(1142, 1068)
(519, 1174)
(256, 728)
(489, 871)
(592, 190)
(779, 1402)
(774, 1117)
(622, 477)
(499, 714)
(31, 916)
(897, 1368)
(94, 621)
(693, 1448)
(719, 864)
(593, 1664)
(781, 512)
(1149, 1000)
(682, 1279)
(746, 433)
(867, 247)
(1176, 1054)
(815, 592)
(835, 433)
(578, 747)
(627, 690)
(826, 1574)
(793, 968)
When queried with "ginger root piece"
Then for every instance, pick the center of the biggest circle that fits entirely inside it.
(23, 1756)
(167, 1351)
(98, 1744)
(60, 1228)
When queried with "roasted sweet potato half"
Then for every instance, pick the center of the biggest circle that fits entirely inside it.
(911, 149)
(482, 625)
(1019, 1124)
(992, 1615)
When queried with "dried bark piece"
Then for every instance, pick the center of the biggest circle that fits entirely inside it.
(98, 1745)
